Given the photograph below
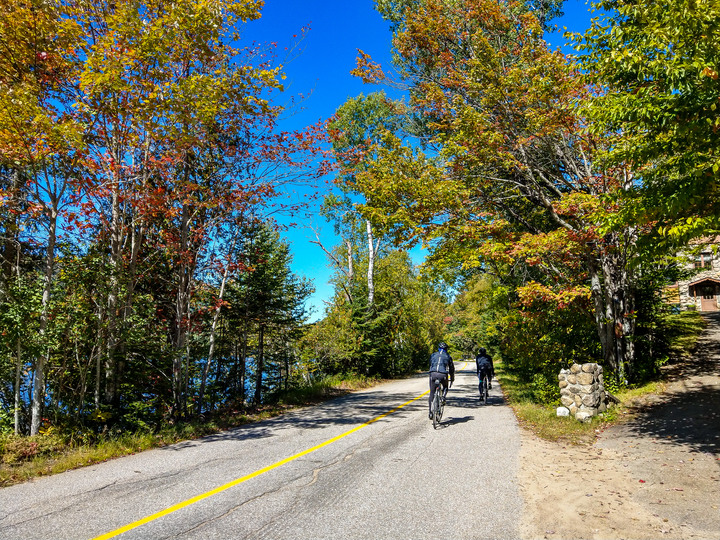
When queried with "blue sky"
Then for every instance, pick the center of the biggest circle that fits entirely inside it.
(322, 68)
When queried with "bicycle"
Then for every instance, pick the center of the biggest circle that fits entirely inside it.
(483, 386)
(438, 405)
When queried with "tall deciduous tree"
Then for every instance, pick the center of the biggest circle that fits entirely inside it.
(354, 130)
(41, 135)
(149, 129)
(508, 174)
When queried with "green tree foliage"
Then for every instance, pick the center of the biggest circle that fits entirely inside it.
(505, 178)
(390, 338)
(139, 144)
(656, 68)
(383, 321)
(268, 298)
(534, 340)
(475, 313)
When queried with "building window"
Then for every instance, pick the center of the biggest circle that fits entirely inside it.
(704, 260)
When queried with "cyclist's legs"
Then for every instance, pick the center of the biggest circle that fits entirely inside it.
(445, 384)
(481, 375)
(435, 376)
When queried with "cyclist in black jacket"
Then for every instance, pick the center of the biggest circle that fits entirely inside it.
(441, 367)
(484, 366)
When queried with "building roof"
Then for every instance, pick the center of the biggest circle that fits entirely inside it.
(697, 282)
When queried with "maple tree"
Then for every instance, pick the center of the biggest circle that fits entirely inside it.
(39, 138)
(187, 142)
(144, 133)
(505, 174)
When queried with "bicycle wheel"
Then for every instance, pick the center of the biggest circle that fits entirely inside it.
(437, 406)
(485, 390)
(442, 403)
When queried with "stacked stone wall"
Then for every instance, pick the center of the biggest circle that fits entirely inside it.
(582, 392)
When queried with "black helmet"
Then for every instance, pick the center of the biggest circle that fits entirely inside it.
(481, 350)
(442, 345)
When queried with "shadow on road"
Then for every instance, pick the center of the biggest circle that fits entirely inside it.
(706, 357)
(349, 410)
(473, 401)
(452, 421)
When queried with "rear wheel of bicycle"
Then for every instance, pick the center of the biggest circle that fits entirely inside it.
(485, 390)
(437, 406)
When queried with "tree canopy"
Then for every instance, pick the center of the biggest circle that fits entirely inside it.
(655, 67)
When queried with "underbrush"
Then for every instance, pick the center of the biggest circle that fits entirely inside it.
(328, 387)
(542, 420)
(535, 402)
(55, 451)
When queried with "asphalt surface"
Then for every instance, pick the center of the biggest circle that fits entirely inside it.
(394, 478)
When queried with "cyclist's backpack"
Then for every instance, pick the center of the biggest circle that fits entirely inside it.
(482, 362)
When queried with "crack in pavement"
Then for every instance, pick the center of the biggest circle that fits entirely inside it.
(130, 488)
(52, 512)
(287, 486)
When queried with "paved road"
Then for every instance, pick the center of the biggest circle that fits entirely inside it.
(393, 478)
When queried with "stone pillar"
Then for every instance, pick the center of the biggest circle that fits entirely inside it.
(582, 392)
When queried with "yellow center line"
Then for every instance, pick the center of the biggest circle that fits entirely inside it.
(242, 479)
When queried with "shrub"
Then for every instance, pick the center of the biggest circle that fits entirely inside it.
(15, 449)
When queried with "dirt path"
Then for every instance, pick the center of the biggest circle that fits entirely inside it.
(656, 476)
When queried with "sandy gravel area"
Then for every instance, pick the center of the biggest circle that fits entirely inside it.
(655, 476)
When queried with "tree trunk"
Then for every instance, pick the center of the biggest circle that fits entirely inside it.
(39, 374)
(371, 264)
(18, 345)
(259, 364)
(613, 300)
(243, 364)
(11, 246)
(182, 314)
(213, 329)
(18, 374)
(83, 381)
(99, 356)
(112, 303)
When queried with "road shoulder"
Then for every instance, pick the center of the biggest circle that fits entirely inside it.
(655, 476)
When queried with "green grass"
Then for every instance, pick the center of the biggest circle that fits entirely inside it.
(323, 389)
(24, 458)
(682, 331)
(542, 420)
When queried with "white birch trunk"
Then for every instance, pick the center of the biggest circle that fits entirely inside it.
(18, 374)
(371, 264)
(39, 373)
(213, 329)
